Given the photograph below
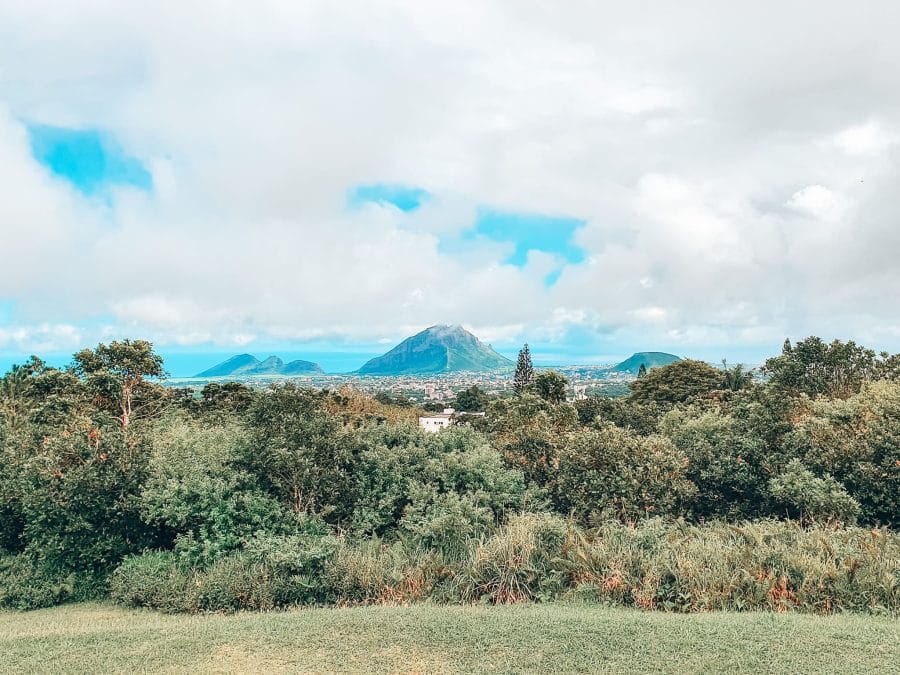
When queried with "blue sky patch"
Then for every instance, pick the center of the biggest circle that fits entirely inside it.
(89, 159)
(403, 197)
(7, 308)
(552, 278)
(529, 232)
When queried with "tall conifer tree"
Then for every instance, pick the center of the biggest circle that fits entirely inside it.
(524, 371)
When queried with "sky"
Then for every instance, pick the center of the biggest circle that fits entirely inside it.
(594, 178)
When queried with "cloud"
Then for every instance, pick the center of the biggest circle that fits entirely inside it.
(715, 191)
(863, 139)
(817, 200)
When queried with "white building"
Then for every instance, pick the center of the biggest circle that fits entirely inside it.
(437, 421)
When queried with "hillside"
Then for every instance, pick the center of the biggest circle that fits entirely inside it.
(438, 349)
(650, 360)
(244, 365)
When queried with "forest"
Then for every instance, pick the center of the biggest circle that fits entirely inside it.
(705, 488)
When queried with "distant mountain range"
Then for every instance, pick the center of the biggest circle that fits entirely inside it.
(438, 349)
(649, 359)
(247, 364)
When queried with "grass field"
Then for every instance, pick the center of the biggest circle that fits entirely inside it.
(425, 639)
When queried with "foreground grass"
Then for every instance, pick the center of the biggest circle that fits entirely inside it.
(554, 637)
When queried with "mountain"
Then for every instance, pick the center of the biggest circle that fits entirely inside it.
(246, 364)
(650, 360)
(438, 349)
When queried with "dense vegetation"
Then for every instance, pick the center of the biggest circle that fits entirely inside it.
(704, 489)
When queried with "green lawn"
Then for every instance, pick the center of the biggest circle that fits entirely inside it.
(554, 638)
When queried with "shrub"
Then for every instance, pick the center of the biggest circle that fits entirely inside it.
(614, 472)
(445, 521)
(158, 580)
(857, 442)
(724, 462)
(27, 584)
(810, 498)
(272, 571)
(371, 571)
(80, 501)
(208, 507)
(432, 485)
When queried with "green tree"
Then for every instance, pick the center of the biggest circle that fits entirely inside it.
(529, 431)
(524, 371)
(195, 493)
(471, 399)
(815, 368)
(809, 498)
(642, 371)
(550, 386)
(726, 461)
(117, 373)
(679, 382)
(857, 441)
(614, 472)
(300, 452)
(227, 397)
(736, 378)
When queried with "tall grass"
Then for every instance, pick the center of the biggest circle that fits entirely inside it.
(655, 565)
(770, 565)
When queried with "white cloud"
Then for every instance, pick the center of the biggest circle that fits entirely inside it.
(817, 200)
(685, 149)
(863, 139)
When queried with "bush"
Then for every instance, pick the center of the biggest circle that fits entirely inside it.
(26, 584)
(810, 498)
(437, 487)
(80, 501)
(272, 571)
(616, 473)
(372, 572)
(725, 463)
(857, 442)
(206, 505)
(445, 522)
(158, 580)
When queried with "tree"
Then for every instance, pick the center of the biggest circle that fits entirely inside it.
(524, 371)
(642, 371)
(678, 382)
(528, 432)
(615, 472)
(857, 442)
(736, 378)
(117, 372)
(229, 397)
(299, 452)
(810, 498)
(814, 367)
(472, 399)
(550, 386)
